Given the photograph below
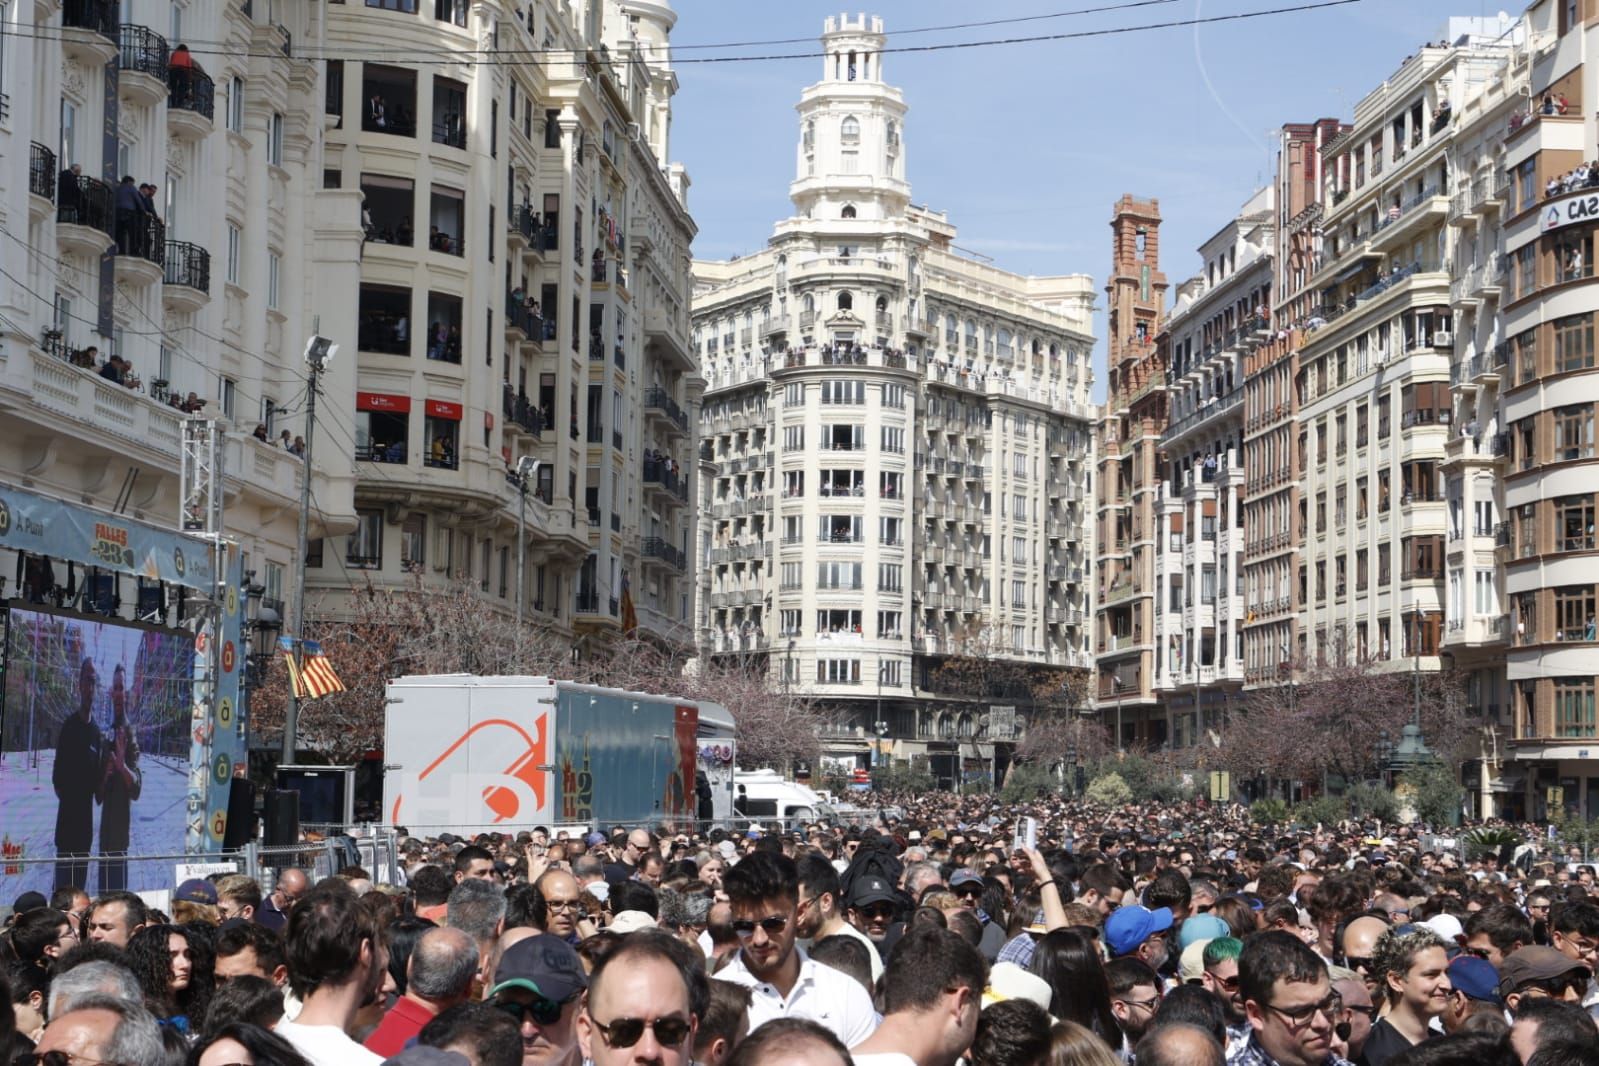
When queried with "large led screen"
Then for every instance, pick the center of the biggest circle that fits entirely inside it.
(94, 752)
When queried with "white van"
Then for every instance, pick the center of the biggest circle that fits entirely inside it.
(764, 798)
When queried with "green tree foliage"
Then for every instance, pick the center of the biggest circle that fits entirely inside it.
(1109, 790)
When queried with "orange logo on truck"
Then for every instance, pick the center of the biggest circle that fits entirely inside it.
(525, 767)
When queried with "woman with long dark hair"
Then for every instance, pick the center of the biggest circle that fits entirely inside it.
(175, 972)
(242, 1044)
(1069, 961)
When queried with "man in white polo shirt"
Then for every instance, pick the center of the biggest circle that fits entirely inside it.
(763, 891)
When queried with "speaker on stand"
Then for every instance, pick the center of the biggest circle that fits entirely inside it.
(241, 815)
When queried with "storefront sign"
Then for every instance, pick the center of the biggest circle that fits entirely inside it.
(1570, 212)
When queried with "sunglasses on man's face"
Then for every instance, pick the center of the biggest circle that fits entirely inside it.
(57, 1058)
(625, 1032)
(744, 928)
(542, 1011)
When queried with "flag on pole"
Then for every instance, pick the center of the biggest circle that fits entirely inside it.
(629, 612)
(313, 675)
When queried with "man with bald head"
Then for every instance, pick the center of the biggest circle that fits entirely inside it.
(639, 844)
(1179, 1044)
(1359, 940)
(562, 899)
(274, 910)
(439, 975)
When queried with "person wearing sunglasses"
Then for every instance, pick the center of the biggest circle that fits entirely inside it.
(763, 891)
(638, 1007)
(1359, 1013)
(1220, 976)
(540, 982)
(1413, 967)
(1290, 1003)
(1541, 973)
(98, 1029)
(1574, 932)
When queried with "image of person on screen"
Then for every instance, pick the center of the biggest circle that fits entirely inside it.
(76, 777)
(120, 784)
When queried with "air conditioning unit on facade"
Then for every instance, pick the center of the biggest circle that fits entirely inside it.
(1443, 339)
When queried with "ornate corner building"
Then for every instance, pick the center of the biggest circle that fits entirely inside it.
(896, 449)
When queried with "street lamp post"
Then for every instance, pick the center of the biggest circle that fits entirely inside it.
(527, 468)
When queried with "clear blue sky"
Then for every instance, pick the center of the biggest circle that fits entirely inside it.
(1027, 146)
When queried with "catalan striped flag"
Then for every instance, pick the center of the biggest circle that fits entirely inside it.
(313, 675)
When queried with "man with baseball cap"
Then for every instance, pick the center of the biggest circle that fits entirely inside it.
(872, 906)
(1139, 932)
(1475, 990)
(1541, 972)
(968, 888)
(540, 982)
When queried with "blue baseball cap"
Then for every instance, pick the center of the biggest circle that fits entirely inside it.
(1128, 927)
(594, 839)
(1202, 927)
(1476, 977)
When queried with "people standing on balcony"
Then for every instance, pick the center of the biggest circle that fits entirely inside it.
(180, 69)
(377, 113)
(298, 447)
(133, 214)
(68, 194)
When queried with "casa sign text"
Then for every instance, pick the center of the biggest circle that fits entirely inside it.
(1570, 212)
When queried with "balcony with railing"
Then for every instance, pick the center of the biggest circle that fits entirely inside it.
(42, 172)
(658, 401)
(142, 64)
(191, 102)
(664, 550)
(85, 217)
(659, 475)
(90, 29)
(141, 247)
(186, 275)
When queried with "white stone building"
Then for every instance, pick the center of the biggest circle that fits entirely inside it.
(498, 248)
(213, 294)
(1219, 316)
(896, 444)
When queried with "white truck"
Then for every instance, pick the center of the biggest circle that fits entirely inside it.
(468, 754)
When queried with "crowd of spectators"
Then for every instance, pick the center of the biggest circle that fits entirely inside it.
(1173, 935)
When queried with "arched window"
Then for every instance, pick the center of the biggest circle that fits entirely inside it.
(848, 212)
(893, 136)
(809, 303)
(846, 301)
(810, 134)
(882, 303)
(849, 131)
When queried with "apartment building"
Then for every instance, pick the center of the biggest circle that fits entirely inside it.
(1127, 489)
(498, 249)
(898, 448)
(1219, 316)
(1543, 188)
(522, 305)
(117, 308)
(1272, 535)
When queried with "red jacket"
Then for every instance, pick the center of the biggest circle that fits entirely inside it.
(403, 1021)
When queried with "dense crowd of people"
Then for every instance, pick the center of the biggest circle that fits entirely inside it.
(953, 929)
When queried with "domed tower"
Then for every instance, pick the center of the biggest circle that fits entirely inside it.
(651, 22)
(851, 161)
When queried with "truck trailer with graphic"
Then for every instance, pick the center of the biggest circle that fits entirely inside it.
(469, 754)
